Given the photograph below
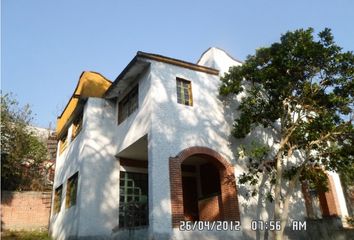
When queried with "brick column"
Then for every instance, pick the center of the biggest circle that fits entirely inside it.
(176, 192)
(230, 210)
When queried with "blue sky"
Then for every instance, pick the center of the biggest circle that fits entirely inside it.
(45, 45)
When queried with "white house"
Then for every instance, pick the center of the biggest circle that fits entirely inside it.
(153, 148)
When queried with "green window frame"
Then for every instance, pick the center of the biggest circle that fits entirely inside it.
(58, 198)
(71, 190)
(63, 142)
(133, 199)
(77, 126)
(128, 104)
(184, 92)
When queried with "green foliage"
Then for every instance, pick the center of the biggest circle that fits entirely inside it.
(21, 152)
(301, 88)
(257, 155)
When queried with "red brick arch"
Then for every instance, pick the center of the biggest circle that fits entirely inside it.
(229, 201)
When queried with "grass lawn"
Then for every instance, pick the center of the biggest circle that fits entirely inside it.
(24, 235)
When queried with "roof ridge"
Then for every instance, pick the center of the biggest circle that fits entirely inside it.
(229, 55)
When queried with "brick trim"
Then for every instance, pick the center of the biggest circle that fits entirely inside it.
(133, 163)
(229, 207)
(328, 200)
(331, 198)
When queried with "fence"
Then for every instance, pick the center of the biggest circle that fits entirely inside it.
(25, 210)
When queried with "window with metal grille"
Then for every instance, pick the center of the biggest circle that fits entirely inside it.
(184, 92)
(71, 190)
(57, 198)
(128, 104)
(133, 200)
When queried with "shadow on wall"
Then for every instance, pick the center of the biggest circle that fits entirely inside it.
(258, 207)
(204, 127)
(178, 126)
(97, 175)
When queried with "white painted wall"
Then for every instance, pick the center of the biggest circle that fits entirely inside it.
(65, 222)
(251, 208)
(207, 123)
(92, 153)
(138, 123)
(176, 127)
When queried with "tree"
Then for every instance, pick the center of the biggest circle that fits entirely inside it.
(22, 153)
(302, 89)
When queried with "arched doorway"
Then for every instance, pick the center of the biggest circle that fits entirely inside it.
(203, 187)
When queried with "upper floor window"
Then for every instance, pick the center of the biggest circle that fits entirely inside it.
(57, 198)
(128, 104)
(184, 92)
(77, 125)
(71, 190)
(63, 142)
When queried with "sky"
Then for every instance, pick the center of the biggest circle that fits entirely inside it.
(46, 45)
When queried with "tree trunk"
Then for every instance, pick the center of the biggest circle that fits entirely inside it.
(285, 213)
(277, 192)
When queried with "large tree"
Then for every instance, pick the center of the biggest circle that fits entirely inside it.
(300, 88)
(22, 153)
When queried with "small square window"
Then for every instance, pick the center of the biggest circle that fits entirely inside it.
(184, 92)
(122, 182)
(129, 182)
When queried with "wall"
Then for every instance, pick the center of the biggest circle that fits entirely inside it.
(138, 123)
(25, 210)
(207, 123)
(92, 153)
(176, 127)
(99, 187)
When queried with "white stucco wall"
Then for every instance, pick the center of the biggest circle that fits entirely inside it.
(208, 123)
(65, 222)
(138, 123)
(176, 127)
(92, 153)
(100, 171)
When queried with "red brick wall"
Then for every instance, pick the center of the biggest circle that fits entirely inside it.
(329, 200)
(25, 210)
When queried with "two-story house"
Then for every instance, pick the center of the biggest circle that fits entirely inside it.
(138, 155)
